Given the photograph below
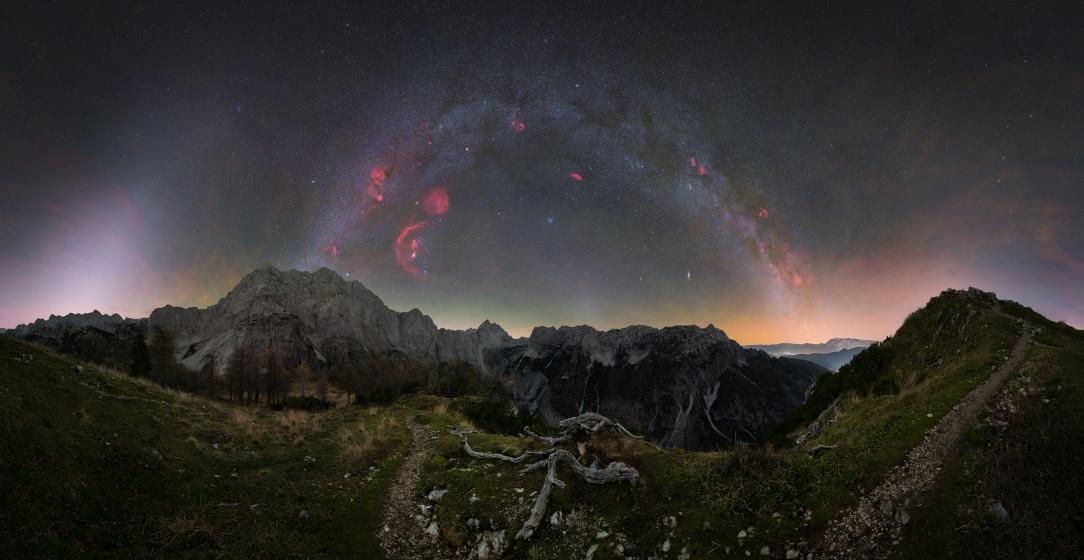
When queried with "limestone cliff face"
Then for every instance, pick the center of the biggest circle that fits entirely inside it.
(688, 386)
(316, 316)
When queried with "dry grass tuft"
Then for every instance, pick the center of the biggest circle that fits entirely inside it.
(248, 423)
(357, 444)
(183, 528)
(296, 425)
(82, 415)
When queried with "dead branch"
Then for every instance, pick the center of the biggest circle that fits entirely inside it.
(614, 472)
(500, 456)
(553, 441)
(589, 423)
(592, 422)
(539, 507)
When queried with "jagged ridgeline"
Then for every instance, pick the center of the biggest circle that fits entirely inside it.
(686, 386)
(955, 335)
(108, 340)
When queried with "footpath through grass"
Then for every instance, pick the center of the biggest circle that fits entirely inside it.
(1016, 490)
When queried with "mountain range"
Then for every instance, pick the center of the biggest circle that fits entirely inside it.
(831, 346)
(687, 386)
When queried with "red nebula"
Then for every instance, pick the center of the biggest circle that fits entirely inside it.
(762, 214)
(378, 176)
(375, 189)
(332, 250)
(576, 176)
(435, 201)
(692, 161)
(701, 171)
(518, 126)
(407, 245)
(797, 280)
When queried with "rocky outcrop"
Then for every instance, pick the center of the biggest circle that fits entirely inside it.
(318, 317)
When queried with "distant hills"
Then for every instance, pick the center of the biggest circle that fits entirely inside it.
(831, 360)
(833, 345)
(833, 354)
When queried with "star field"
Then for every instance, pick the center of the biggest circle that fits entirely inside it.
(786, 175)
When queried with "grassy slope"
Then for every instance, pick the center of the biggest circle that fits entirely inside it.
(1026, 455)
(57, 424)
(880, 414)
(102, 464)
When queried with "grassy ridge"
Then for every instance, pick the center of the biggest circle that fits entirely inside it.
(97, 463)
(1024, 455)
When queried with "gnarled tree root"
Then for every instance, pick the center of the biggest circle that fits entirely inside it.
(588, 423)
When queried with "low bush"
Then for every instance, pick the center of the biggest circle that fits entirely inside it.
(501, 416)
(303, 403)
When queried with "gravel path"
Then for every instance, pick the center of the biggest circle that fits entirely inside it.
(401, 535)
(872, 528)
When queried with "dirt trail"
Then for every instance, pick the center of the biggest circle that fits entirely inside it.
(872, 528)
(401, 536)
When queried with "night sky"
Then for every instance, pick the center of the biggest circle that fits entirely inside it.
(788, 175)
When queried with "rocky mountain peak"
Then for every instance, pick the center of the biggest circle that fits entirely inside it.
(315, 316)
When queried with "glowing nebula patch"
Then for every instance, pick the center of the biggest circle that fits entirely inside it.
(408, 246)
(435, 201)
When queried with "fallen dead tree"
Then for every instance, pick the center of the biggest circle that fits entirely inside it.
(588, 423)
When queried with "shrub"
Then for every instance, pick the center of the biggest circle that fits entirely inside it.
(501, 416)
(303, 403)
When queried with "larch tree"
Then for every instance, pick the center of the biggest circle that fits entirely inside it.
(162, 353)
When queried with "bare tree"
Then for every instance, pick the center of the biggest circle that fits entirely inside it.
(274, 382)
(162, 353)
(207, 374)
(321, 385)
(241, 375)
(303, 374)
(348, 378)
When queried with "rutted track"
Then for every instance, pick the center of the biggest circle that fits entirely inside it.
(400, 536)
(873, 527)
